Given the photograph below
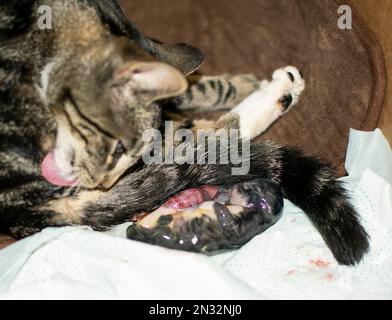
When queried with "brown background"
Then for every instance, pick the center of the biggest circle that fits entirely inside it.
(343, 68)
(378, 14)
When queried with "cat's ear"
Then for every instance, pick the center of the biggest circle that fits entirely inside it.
(182, 56)
(151, 81)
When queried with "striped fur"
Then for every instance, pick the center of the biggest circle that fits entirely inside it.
(29, 128)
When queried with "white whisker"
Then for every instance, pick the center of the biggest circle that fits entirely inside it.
(75, 188)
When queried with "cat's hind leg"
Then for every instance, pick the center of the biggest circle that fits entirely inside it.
(216, 93)
(262, 108)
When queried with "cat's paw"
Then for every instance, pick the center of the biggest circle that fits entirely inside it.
(290, 80)
(275, 98)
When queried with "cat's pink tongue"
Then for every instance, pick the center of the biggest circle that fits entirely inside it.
(53, 174)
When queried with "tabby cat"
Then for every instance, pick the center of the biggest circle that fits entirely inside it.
(75, 100)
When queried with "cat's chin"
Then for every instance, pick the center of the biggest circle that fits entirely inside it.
(53, 173)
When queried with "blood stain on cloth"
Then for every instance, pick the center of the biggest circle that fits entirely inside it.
(320, 263)
(291, 272)
(329, 276)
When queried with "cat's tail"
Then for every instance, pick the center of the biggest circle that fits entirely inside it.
(311, 185)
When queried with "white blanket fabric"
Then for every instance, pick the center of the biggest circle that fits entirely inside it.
(289, 261)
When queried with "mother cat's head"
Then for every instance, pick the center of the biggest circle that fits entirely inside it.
(101, 83)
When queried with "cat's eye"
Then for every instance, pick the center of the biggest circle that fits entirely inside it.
(120, 149)
(117, 153)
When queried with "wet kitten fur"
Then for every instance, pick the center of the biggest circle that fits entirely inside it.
(28, 129)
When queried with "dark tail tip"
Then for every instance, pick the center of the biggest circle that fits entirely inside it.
(341, 228)
(311, 185)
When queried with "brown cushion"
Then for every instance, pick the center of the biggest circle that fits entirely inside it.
(344, 69)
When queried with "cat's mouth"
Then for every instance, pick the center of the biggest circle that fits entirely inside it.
(59, 172)
(54, 174)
